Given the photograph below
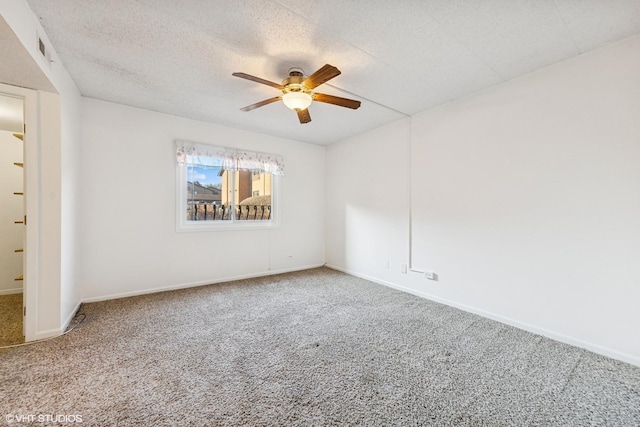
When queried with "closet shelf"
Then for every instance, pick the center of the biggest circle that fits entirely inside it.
(20, 277)
(19, 164)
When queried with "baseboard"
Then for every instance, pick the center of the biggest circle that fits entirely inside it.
(51, 333)
(69, 318)
(634, 360)
(196, 284)
(10, 291)
(41, 335)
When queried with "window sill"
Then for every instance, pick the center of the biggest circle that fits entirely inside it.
(234, 226)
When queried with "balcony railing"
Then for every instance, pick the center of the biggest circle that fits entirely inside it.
(212, 212)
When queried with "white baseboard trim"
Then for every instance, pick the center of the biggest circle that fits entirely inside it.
(196, 284)
(70, 317)
(628, 358)
(50, 333)
(10, 291)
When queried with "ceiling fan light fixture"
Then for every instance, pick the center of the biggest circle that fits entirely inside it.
(297, 91)
(297, 101)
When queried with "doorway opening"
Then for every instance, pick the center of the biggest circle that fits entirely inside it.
(12, 220)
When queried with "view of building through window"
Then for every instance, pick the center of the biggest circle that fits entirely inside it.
(215, 194)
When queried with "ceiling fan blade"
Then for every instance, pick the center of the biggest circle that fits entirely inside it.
(304, 116)
(336, 100)
(260, 104)
(323, 75)
(258, 80)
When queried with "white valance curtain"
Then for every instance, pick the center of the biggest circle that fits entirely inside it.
(228, 158)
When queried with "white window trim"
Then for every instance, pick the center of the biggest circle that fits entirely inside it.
(183, 225)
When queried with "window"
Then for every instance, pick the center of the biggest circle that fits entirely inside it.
(221, 188)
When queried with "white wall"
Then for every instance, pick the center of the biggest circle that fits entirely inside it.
(70, 181)
(525, 201)
(367, 197)
(12, 210)
(128, 241)
(57, 135)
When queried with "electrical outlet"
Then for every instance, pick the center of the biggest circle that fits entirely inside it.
(431, 275)
(290, 257)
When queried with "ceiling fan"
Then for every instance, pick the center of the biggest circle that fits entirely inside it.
(297, 91)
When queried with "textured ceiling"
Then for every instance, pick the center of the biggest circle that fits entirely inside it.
(398, 57)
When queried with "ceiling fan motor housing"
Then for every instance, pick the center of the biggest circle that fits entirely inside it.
(293, 83)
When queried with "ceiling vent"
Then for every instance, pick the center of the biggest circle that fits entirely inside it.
(44, 51)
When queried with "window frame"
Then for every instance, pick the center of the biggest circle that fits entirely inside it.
(185, 225)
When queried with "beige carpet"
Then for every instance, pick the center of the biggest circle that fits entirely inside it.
(11, 319)
(310, 348)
